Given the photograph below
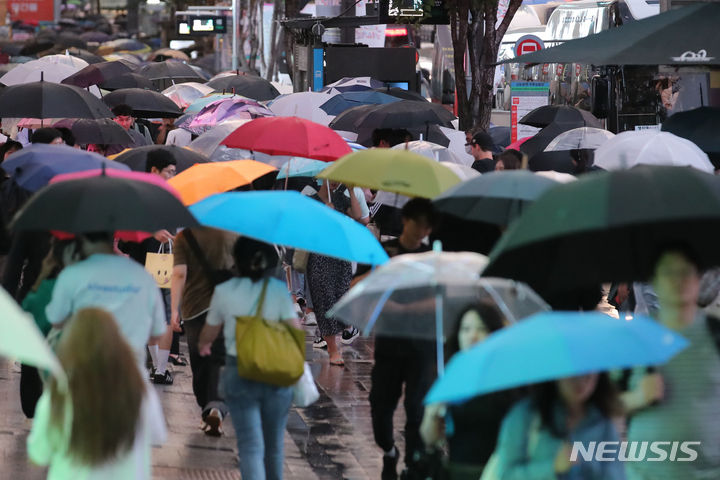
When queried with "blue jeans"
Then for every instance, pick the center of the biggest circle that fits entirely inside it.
(259, 413)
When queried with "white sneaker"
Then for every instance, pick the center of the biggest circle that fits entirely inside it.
(310, 319)
(298, 310)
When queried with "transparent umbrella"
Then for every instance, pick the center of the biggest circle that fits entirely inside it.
(420, 296)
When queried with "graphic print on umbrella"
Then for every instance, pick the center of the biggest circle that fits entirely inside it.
(50, 100)
(554, 345)
(608, 226)
(288, 136)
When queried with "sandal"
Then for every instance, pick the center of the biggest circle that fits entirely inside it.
(177, 360)
(338, 363)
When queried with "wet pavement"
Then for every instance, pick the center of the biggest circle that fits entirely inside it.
(331, 439)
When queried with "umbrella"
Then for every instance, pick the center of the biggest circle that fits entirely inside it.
(462, 171)
(288, 136)
(123, 45)
(347, 120)
(37, 70)
(167, 73)
(501, 137)
(438, 285)
(339, 103)
(145, 103)
(103, 131)
(402, 94)
(300, 167)
(136, 158)
(66, 59)
(580, 138)
(205, 179)
(548, 114)
(84, 54)
(167, 54)
(537, 143)
(127, 80)
(103, 203)
(631, 148)
(700, 126)
(50, 100)
(183, 94)
(224, 110)
(554, 345)
(22, 340)
(608, 226)
(208, 144)
(496, 197)
(95, 37)
(33, 166)
(303, 105)
(354, 84)
(125, 56)
(282, 217)
(560, 161)
(517, 143)
(395, 171)
(97, 73)
(201, 102)
(430, 150)
(405, 114)
(246, 85)
(683, 36)
(457, 143)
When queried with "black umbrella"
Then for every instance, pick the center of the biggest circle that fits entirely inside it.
(103, 132)
(430, 133)
(67, 40)
(542, 139)
(97, 73)
(95, 37)
(127, 80)
(402, 94)
(701, 126)
(347, 119)
(136, 158)
(559, 161)
(547, 114)
(246, 85)
(50, 100)
(165, 74)
(405, 114)
(609, 226)
(145, 103)
(36, 46)
(103, 204)
(501, 136)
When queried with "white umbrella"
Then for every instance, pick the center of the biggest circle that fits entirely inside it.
(577, 138)
(557, 176)
(457, 144)
(47, 71)
(302, 104)
(431, 150)
(183, 94)
(463, 171)
(628, 149)
(65, 59)
(352, 84)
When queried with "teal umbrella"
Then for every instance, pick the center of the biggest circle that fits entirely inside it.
(301, 167)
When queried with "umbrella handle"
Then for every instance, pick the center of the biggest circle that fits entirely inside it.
(287, 174)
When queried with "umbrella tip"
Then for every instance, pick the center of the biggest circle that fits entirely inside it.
(437, 246)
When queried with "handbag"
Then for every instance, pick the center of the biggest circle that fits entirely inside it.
(300, 260)
(267, 351)
(160, 265)
(305, 392)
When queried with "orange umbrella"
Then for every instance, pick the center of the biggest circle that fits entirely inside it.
(205, 179)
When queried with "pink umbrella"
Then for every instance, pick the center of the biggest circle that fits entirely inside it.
(127, 236)
(516, 144)
(227, 109)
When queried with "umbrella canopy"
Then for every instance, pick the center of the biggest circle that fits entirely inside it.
(282, 217)
(201, 102)
(501, 136)
(548, 114)
(167, 73)
(66, 59)
(405, 114)
(462, 171)
(288, 136)
(631, 148)
(205, 179)
(224, 110)
(580, 138)
(496, 197)
(183, 94)
(97, 73)
(84, 54)
(303, 105)
(339, 103)
(123, 45)
(395, 171)
(95, 37)
(354, 84)
(662, 39)
(402, 94)
(246, 85)
(127, 80)
(209, 143)
(136, 158)
(608, 226)
(50, 100)
(542, 139)
(554, 345)
(103, 131)
(430, 150)
(37, 70)
(700, 126)
(34, 166)
(348, 119)
(103, 203)
(168, 53)
(145, 103)
(300, 167)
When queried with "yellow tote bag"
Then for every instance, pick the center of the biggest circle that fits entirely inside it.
(267, 351)
(160, 266)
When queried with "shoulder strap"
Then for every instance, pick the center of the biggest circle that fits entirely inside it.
(261, 300)
(207, 269)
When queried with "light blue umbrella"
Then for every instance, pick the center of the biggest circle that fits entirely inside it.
(293, 220)
(554, 345)
(344, 101)
(301, 167)
(201, 102)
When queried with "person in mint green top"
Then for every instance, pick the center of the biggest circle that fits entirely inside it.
(537, 434)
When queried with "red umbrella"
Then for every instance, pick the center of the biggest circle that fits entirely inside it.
(516, 144)
(289, 136)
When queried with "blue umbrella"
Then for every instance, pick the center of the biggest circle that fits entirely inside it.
(290, 219)
(344, 101)
(34, 166)
(301, 167)
(553, 345)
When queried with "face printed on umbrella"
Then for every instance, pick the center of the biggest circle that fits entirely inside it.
(676, 281)
(577, 390)
(472, 330)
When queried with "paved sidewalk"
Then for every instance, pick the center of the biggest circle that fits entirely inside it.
(330, 440)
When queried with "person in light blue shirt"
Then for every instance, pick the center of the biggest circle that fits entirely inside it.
(536, 437)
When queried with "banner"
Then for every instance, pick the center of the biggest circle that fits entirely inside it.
(32, 11)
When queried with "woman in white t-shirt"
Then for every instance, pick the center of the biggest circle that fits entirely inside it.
(103, 429)
(258, 410)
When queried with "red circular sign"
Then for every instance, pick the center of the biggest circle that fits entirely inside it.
(528, 44)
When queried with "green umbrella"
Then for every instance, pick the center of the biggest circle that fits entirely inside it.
(609, 226)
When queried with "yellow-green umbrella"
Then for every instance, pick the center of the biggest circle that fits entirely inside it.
(397, 171)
